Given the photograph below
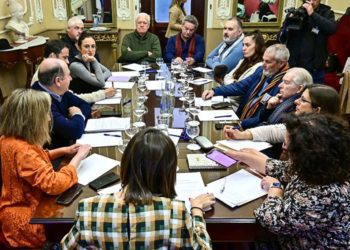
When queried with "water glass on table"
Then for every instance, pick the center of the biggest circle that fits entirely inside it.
(163, 122)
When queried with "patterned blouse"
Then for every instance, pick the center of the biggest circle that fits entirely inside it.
(307, 216)
(107, 222)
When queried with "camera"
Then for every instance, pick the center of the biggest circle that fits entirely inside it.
(296, 18)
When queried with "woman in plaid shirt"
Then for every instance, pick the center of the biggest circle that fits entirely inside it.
(144, 214)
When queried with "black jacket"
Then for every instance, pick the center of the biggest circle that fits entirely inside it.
(308, 46)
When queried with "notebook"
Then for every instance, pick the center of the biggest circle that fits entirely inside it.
(200, 162)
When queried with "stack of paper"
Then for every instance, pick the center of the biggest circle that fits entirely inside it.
(202, 70)
(93, 167)
(135, 67)
(101, 139)
(240, 144)
(119, 85)
(237, 189)
(174, 134)
(107, 124)
(217, 115)
(112, 100)
(123, 76)
(207, 103)
(200, 81)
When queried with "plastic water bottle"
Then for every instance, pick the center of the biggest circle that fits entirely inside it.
(167, 100)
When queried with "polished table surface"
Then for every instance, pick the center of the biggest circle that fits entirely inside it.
(223, 223)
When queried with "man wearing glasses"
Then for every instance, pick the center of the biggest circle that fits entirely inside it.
(186, 46)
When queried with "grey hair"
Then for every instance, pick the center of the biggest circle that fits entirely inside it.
(280, 51)
(191, 19)
(301, 77)
(74, 20)
(143, 14)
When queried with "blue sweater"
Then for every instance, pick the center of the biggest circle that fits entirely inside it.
(230, 60)
(170, 50)
(245, 88)
(66, 129)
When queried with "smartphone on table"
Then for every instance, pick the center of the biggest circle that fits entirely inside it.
(221, 158)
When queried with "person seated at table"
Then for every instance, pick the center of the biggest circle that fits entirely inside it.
(140, 45)
(26, 170)
(58, 49)
(147, 198)
(229, 51)
(291, 87)
(257, 88)
(186, 46)
(316, 98)
(69, 112)
(308, 202)
(253, 50)
(88, 74)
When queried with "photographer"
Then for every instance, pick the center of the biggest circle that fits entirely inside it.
(305, 32)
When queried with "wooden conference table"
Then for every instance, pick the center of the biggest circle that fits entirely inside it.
(224, 224)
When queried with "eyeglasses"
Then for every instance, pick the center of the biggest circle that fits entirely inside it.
(302, 99)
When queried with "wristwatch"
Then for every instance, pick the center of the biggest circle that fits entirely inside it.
(276, 185)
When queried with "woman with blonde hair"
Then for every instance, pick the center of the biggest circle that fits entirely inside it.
(26, 170)
(176, 14)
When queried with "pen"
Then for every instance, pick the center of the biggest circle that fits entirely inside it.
(222, 116)
(255, 172)
(112, 84)
(112, 135)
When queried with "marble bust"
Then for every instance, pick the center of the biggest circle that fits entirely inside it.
(16, 23)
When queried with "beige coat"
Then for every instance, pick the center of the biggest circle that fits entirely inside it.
(175, 19)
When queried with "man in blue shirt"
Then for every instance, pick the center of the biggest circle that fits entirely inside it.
(186, 46)
(230, 50)
(257, 88)
(69, 112)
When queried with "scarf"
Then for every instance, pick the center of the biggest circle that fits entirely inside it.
(178, 46)
(248, 110)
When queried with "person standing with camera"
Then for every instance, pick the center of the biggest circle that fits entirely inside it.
(305, 32)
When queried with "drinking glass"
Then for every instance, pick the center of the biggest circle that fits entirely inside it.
(194, 111)
(139, 111)
(159, 62)
(184, 87)
(163, 123)
(122, 145)
(145, 65)
(190, 96)
(131, 130)
(192, 130)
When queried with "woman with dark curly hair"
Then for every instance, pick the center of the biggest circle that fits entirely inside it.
(312, 211)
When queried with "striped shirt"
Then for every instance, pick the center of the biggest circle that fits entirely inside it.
(107, 222)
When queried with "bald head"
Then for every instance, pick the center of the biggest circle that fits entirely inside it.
(55, 75)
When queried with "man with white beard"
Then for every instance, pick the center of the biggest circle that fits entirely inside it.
(257, 88)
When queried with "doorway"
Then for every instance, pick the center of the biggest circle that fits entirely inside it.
(160, 9)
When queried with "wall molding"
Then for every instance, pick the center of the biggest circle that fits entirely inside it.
(59, 9)
(39, 15)
(223, 9)
(123, 10)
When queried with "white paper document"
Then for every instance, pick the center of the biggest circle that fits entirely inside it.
(189, 185)
(200, 81)
(93, 167)
(174, 134)
(123, 76)
(107, 124)
(202, 70)
(237, 189)
(240, 144)
(207, 103)
(112, 100)
(119, 85)
(155, 85)
(217, 115)
(101, 139)
(135, 67)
